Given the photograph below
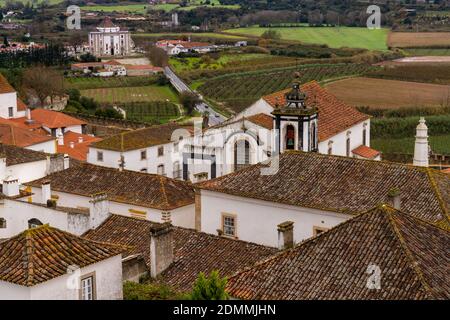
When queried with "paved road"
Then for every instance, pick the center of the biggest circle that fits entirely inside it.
(214, 117)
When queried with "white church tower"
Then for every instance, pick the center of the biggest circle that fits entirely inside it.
(421, 145)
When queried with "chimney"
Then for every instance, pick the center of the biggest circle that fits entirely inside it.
(161, 248)
(46, 191)
(285, 235)
(421, 144)
(11, 187)
(66, 162)
(28, 116)
(72, 144)
(205, 120)
(98, 209)
(80, 139)
(61, 140)
(395, 198)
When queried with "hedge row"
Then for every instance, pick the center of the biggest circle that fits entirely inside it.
(406, 127)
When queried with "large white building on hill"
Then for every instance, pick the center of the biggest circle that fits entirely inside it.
(110, 40)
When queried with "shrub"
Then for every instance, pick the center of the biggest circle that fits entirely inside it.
(211, 288)
(148, 291)
(406, 127)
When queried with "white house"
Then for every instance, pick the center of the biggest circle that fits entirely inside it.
(151, 150)
(146, 196)
(311, 193)
(51, 270)
(10, 104)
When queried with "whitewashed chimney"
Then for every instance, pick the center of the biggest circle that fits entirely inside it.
(161, 248)
(98, 210)
(421, 145)
(72, 144)
(80, 139)
(66, 162)
(46, 191)
(395, 198)
(11, 187)
(28, 115)
(285, 235)
(60, 140)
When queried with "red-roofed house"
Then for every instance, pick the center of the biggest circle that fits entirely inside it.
(76, 145)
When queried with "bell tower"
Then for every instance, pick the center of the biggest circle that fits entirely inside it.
(296, 122)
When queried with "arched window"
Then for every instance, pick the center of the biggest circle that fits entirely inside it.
(160, 170)
(290, 137)
(347, 147)
(34, 223)
(2, 223)
(241, 154)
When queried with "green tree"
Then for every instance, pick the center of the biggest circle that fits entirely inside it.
(189, 100)
(211, 288)
(271, 34)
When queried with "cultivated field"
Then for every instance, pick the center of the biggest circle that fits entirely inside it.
(131, 94)
(160, 111)
(334, 37)
(237, 91)
(380, 93)
(418, 39)
(112, 82)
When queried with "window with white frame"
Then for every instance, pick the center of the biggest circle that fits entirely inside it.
(11, 112)
(99, 156)
(143, 154)
(229, 225)
(88, 287)
(2, 223)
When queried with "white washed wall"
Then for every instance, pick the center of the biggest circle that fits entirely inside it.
(108, 278)
(257, 220)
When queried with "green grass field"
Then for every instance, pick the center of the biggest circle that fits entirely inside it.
(143, 7)
(334, 37)
(194, 63)
(133, 8)
(439, 144)
(112, 82)
(160, 111)
(131, 94)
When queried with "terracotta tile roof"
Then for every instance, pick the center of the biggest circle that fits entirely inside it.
(87, 65)
(194, 252)
(11, 134)
(334, 115)
(341, 184)
(112, 63)
(5, 87)
(54, 119)
(446, 170)
(366, 152)
(412, 256)
(262, 119)
(21, 106)
(80, 149)
(107, 23)
(16, 155)
(142, 189)
(41, 254)
(141, 138)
